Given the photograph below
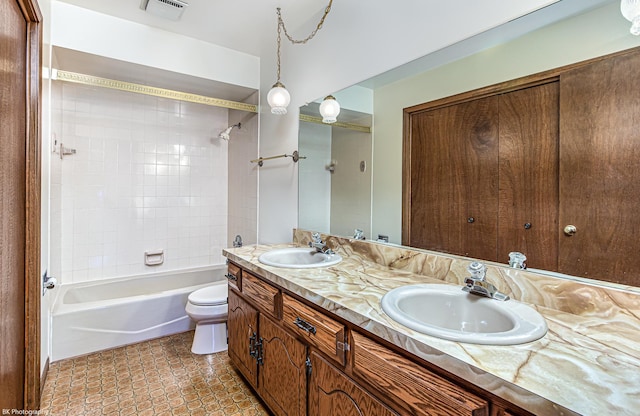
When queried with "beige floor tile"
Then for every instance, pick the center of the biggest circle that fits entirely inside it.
(160, 377)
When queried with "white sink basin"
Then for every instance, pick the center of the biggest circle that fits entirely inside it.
(447, 312)
(298, 258)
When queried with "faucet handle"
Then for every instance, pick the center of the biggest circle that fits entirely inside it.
(477, 270)
(517, 260)
(316, 238)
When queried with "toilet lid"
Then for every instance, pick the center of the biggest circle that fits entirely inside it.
(210, 295)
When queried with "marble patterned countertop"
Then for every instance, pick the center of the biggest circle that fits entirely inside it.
(588, 363)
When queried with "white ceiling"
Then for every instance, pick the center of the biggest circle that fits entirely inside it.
(242, 25)
(249, 26)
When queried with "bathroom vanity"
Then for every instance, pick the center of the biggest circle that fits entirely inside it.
(316, 341)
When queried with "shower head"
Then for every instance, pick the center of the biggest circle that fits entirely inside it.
(224, 134)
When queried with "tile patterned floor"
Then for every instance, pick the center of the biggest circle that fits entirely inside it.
(160, 377)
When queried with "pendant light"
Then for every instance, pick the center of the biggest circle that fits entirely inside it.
(278, 97)
(329, 109)
(630, 9)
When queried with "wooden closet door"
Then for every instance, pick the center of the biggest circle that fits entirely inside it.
(454, 179)
(599, 166)
(528, 208)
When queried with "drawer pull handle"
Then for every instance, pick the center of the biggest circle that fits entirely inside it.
(231, 277)
(304, 325)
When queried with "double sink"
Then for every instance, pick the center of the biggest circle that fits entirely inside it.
(440, 310)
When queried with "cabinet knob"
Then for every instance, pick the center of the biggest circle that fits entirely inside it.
(471, 220)
(527, 225)
(570, 230)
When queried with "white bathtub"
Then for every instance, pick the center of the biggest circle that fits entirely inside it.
(94, 316)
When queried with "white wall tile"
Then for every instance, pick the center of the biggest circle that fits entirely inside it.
(147, 175)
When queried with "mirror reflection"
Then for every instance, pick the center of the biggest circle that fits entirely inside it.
(335, 177)
(488, 59)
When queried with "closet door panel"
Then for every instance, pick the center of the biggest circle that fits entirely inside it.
(599, 165)
(454, 179)
(528, 207)
(430, 183)
(474, 172)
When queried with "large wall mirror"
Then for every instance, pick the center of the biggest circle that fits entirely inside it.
(335, 176)
(550, 38)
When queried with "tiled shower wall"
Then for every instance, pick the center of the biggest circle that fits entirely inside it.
(148, 173)
(243, 176)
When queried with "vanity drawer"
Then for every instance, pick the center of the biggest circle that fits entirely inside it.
(409, 386)
(234, 276)
(317, 329)
(265, 296)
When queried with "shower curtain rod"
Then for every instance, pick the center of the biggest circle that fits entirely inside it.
(350, 126)
(84, 79)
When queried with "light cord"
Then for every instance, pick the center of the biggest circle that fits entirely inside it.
(283, 28)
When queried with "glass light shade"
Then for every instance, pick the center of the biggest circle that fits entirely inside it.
(329, 109)
(278, 99)
(630, 9)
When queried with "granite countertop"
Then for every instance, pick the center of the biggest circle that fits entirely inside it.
(588, 363)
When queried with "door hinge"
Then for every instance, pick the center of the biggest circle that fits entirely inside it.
(344, 346)
(309, 365)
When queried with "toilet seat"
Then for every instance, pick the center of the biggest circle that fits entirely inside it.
(210, 295)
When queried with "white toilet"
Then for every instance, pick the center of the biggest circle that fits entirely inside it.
(208, 308)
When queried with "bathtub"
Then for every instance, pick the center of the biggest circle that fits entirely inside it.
(94, 316)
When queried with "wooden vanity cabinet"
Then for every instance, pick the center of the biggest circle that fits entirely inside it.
(331, 392)
(414, 389)
(272, 360)
(300, 360)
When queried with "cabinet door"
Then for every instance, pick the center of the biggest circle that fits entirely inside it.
(599, 165)
(528, 207)
(332, 393)
(283, 376)
(453, 201)
(243, 329)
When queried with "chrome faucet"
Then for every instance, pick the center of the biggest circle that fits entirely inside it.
(358, 234)
(320, 245)
(517, 260)
(477, 284)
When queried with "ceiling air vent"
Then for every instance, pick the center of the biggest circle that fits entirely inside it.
(167, 9)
